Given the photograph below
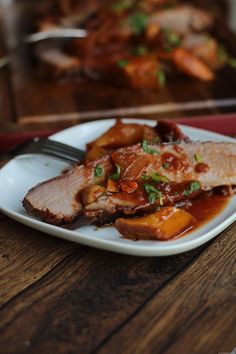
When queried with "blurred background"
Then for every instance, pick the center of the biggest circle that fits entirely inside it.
(152, 58)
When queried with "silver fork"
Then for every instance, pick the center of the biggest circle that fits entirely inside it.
(48, 147)
(57, 33)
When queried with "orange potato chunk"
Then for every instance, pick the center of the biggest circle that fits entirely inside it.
(95, 153)
(122, 134)
(119, 135)
(165, 224)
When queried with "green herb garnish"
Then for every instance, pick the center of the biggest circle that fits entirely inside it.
(166, 165)
(152, 197)
(145, 177)
(232, 62)
(122, 5)
(149, 188)
(161, 76)
(122, 63)
(116, 176)
(161, 199)
(138, 22)
(147, 149)
(172, 40)
(198, 158)
(194, 186)
(158, 178)
(156, 139)
(98, 171)
(153, 193)
(222, 54)
(140, 50)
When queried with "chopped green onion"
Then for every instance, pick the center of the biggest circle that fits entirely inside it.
(140, 50)
(158, 178)
(138, 22)
(172, 40)
(161, 77)
(153, 193)
(122, 5)
(198, 158)
(166, 165)
(161, 199)
(148, 150)
(122, 63)
(149, 188)
(98, 171)
(116, 175)
(194, 186)
(156, 140)
(232, 62)
(145, 177)
(152, 197)
(222, 53)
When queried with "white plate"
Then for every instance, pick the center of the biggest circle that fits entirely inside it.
(26, 171)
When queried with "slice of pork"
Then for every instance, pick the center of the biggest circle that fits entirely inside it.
(211, 164)
(183, 19)
(58, 200)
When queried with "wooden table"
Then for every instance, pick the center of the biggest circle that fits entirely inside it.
(60, 297)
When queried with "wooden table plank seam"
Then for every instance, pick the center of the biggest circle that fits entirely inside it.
(151, 296)
(168, 320)
(60, 264)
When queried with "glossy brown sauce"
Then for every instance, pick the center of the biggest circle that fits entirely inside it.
(173, 162)
(206, 206)
(201, 167)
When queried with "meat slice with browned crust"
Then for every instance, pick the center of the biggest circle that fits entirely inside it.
(58, 200)
(147, 176)
(169, 173)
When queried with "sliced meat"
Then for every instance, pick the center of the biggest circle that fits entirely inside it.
(211, 163)
(58, 200)
(55, 61)
(111, 205)
(164, 174)
(183, 19)
(174, 172)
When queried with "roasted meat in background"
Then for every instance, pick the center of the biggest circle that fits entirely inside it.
(137, 44)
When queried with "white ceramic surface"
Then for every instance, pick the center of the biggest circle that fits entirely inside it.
(24, 172)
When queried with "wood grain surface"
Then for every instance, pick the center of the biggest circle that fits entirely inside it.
(56, 296)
